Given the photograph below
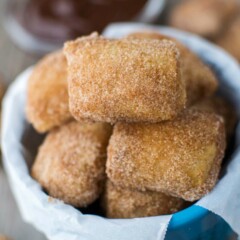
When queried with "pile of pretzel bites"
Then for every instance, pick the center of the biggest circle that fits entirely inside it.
(132, 121)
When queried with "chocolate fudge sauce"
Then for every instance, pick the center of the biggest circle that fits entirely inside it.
(60, 20)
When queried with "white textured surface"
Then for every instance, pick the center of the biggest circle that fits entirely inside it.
(62, 222)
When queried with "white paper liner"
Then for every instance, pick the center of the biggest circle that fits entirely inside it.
(62, 222)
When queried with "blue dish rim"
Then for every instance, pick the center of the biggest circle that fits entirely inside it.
(187, 216)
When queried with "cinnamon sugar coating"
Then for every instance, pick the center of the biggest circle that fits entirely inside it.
(180, 158)
(221, 107)
(125, 203)
(124, 80)
(70, 163)
(207, 18)
(47, 93)
(199, 79)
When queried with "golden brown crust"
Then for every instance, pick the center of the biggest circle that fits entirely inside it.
(204, 17)
(125, 203)
(70, 164)
(180, 158)
(124, 80)
(221, 107)
(47, 93)
(230, 38)
(199, 79)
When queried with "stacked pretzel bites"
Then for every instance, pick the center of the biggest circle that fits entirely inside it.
(166, 146)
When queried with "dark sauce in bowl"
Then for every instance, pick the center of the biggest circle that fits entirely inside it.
(59, 20)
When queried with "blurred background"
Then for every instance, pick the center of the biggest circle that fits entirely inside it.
(31, 28)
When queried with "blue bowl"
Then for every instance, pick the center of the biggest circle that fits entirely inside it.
(197, 223)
